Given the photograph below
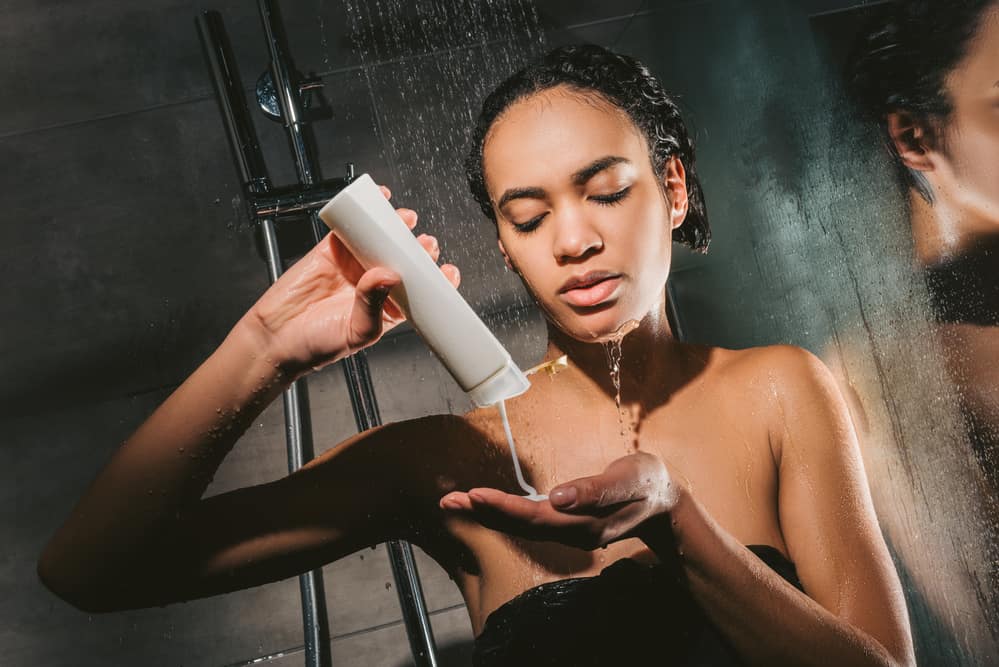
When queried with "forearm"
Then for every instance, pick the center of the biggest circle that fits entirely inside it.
(766, 619)
(161, 471)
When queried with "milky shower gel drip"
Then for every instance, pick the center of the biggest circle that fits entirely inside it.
(370, 228)
(532, 493)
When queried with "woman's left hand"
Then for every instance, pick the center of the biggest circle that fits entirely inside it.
(586, 513)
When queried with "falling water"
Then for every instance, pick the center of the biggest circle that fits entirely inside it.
(613, 350)
(428, 66)
(323, 42)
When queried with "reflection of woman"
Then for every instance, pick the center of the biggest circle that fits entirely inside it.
(585, 167)
(929, 74)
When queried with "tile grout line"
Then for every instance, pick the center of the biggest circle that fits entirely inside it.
(324, 73)
(347, 635)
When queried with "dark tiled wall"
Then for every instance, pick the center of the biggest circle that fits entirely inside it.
(127, 258)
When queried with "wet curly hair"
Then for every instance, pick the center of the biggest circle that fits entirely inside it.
(900, 62)
(625, 83)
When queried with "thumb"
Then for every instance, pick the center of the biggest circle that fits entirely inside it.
(585, 493)
(370, 293)
(605, 491)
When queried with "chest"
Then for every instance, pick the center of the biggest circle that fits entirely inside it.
(721, 453)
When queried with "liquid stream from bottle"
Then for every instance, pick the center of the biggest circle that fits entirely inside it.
(532, 493)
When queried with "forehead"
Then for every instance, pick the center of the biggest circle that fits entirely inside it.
(553, 133)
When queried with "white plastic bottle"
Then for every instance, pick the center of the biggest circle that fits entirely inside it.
(369, 227)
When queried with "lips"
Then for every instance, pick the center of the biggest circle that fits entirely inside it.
(590, 289)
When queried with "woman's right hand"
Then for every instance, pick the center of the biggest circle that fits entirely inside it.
(326, 306)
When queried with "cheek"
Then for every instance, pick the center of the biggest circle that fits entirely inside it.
(531, 262)
(651, 246)
(975, 154)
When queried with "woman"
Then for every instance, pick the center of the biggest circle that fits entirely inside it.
(585, 167)
(928, 74)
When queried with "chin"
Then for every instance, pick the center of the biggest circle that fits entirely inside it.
(599, 324)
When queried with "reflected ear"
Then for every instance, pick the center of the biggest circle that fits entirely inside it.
(675, 183)
(506, 257)
(912, 139)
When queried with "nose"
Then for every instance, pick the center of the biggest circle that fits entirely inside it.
(575, 237)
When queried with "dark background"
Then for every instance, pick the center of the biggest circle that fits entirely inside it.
(126, 258)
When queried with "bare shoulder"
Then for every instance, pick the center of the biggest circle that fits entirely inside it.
(432, 439)
(767, 360)
(486, 423)
(789, 385)
(430, 433)
(784, 372)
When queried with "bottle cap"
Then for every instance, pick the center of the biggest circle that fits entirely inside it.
(507, 382)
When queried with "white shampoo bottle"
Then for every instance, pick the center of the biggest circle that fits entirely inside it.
(369, 227)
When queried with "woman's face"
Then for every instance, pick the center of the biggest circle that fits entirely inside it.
(968, 162)
(581, 216)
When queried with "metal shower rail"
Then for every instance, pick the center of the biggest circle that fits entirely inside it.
(266, 206)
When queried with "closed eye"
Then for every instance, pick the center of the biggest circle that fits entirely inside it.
(602, 200)
(611, 199)
(530, 225)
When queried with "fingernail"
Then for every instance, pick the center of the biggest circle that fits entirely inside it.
(563, 497)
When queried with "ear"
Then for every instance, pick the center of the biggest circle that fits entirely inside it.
(675, 183)
(912, 138)
(506, 257)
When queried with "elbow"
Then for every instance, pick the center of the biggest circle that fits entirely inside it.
(102, 590)
(898, 655)
(78, 591)
(905, 657)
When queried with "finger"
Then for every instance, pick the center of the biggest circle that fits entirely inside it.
(392, 313)
(452, 273)
(599, 492)
(456, 500)
(385, 191)
(516, 515)
(627, 479)
(408, 215)
(342, 258)
(512, 506)
(372, 290)
(431, 245)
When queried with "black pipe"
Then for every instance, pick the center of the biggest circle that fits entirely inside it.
(253, 172)
(278, 203)
(355, 368)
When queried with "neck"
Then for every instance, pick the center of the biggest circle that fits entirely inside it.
(944, 230)
(649, 358)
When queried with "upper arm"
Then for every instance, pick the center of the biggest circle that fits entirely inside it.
(376, 486)
(825, 508)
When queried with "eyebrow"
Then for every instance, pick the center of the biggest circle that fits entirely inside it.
(578, 178)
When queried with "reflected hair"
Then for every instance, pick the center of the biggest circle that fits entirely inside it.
(901, 60)
(626, 84)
